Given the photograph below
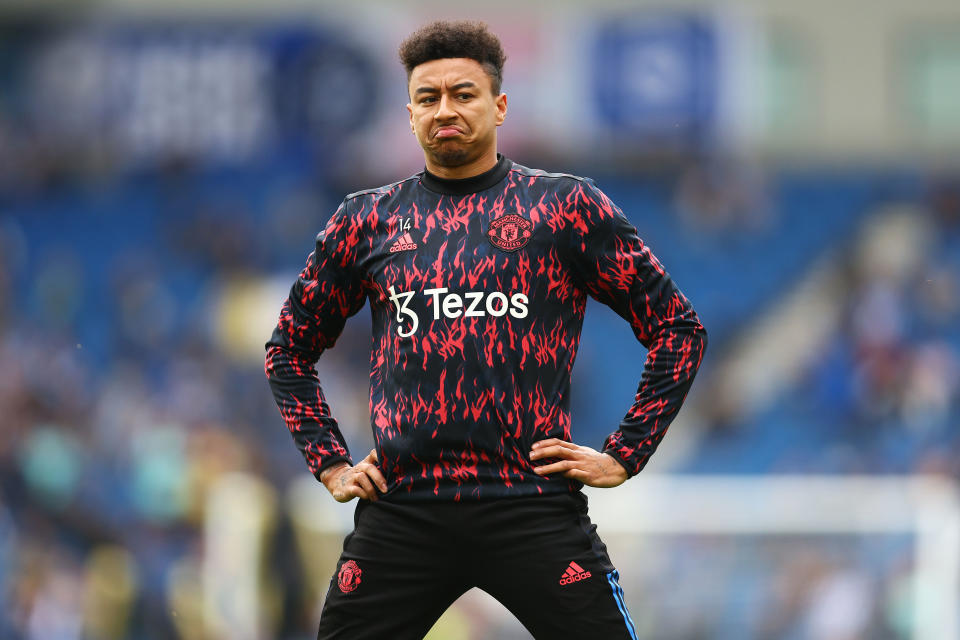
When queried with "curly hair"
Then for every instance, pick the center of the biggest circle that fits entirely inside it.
(461, 39)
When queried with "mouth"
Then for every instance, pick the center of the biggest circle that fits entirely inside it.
(447, 132)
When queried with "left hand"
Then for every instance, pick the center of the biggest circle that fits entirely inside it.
(587, 465)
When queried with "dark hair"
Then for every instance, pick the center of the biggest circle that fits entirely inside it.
(462, 39)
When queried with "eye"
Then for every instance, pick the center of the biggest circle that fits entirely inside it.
(465, 96)
(428, 99)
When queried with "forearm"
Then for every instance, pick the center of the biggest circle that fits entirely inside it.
(672, 363)
(299, 396)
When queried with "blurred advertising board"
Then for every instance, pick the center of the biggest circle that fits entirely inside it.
(654, 77)
(217, 90)
(212, 90)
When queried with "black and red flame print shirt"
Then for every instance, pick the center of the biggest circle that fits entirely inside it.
(477, 289)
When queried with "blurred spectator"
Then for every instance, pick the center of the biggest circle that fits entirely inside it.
(723, 194)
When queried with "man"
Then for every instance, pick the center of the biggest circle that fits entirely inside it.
(477, 271)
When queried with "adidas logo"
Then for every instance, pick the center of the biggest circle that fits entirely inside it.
(574, 573)
(403, 243)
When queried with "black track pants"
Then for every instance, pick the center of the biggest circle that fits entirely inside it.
(405, 563)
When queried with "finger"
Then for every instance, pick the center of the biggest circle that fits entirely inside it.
(363, 484)
(577, 474)
(553, 442)
(544, 443)
(554, 451)
(372, 457)
(556, 467)
(344, 494)
(374, 474)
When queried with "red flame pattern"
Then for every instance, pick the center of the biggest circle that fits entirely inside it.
(456, 406)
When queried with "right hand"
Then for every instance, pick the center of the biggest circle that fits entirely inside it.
(347, 482)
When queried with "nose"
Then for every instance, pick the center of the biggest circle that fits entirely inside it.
(444, 112)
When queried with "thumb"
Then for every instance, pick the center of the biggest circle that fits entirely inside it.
(373, 455)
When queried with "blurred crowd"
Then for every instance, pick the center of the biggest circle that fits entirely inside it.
(881, 392)
(110, 450)
(146, 478)
(890, 376)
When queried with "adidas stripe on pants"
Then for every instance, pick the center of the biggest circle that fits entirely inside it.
(406, 562)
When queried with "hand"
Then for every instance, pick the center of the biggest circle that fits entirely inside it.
(587, 465)
(347, 482)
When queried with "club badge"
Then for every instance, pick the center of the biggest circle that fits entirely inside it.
(349, 577)
(509, 232)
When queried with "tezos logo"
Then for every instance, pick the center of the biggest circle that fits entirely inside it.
(472, 304)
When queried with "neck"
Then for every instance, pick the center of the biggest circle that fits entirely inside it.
(474, 168)
(468, 185)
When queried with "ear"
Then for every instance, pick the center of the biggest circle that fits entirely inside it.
(501, 105)
(410, 111)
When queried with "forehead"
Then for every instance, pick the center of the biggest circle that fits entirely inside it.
(448, 71)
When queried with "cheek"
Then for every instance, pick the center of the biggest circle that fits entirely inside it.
(416, 124)
(421, 128)
(490, 121)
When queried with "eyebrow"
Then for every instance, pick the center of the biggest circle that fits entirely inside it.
(456, 87)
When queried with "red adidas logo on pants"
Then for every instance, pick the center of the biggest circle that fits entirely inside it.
(574, 573)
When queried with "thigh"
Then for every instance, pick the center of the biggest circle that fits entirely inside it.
(552, 571)
(393, 579)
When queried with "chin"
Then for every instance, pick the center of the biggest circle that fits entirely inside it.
(451, 157)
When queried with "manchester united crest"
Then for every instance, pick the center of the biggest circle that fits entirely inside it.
(349, 577)
(509, 232)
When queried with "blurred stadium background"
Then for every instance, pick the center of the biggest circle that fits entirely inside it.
(164, 168)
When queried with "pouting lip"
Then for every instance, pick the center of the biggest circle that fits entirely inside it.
(446, 126)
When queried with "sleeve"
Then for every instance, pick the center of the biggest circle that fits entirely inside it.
(615, 267)
(325, 294)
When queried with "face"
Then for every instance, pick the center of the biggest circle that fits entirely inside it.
(454, 113)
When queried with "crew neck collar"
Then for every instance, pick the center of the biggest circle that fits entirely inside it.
(466, 186)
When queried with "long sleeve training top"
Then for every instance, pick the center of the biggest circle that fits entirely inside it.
(477, 289)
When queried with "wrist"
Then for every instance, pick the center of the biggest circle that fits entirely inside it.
(332, 471)
(619, 464)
